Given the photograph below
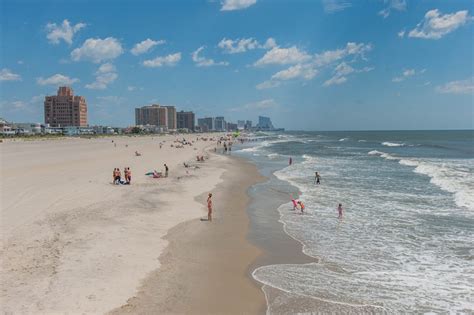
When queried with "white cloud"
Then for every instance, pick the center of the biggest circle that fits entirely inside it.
(304, 71)
(457, 87)
(33, 105)
(399, 5)
(406, 74)
(332, 6)
(401, 34)
(262, 105)
(98, 50)
(160, 61)
(269, 43)
(64, 31)
(283, 56)
(231, 46)
(358, 50)
(203, 62)
(12, 106)
(341, 72)
(231, 5)
(306, 67)
(57, 79)
(237, 46)
(436, 25)
(145, 46)
(335, 81)
(268, 84)
(7, 75)
(106, 74)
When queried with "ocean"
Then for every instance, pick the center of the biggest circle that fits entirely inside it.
(405, 242)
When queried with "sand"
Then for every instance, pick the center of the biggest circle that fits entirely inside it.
(73, 242)
(206, 267)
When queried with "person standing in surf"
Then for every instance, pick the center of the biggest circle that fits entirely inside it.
(339, 210)
(317, 178)
(290, 161)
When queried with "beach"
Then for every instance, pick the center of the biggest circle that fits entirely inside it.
(72, 242)
(205, 268)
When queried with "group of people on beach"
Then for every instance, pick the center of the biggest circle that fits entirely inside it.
(226, 144)
(117, 176)
(156, 174)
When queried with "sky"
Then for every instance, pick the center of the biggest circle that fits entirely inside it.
(309, 65)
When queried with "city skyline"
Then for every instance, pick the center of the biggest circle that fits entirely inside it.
(306, 65)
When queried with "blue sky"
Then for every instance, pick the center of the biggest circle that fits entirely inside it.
(314, 65)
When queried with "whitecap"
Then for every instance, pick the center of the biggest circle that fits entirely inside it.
(393, 144)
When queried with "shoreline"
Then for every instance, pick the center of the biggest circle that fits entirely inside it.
(206, 268)
(150, 252)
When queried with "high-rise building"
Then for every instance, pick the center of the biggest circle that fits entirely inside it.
(206, 123)
(148, 115)
(231, 126)
(241, 124)
(156, 115)
(220, 124)
(248, 125)
(265, 123)
(185, 120)
(171, 120)
(65, 109)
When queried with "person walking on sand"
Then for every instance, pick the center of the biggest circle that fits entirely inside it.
(339, 210)
(166, 170)
(317, 178)
(209, 207)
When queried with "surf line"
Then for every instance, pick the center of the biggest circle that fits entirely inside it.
(312, 297)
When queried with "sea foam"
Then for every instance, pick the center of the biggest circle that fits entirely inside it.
(392, 144)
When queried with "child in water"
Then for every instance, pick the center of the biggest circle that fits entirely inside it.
(302, 207)
(295, 205)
